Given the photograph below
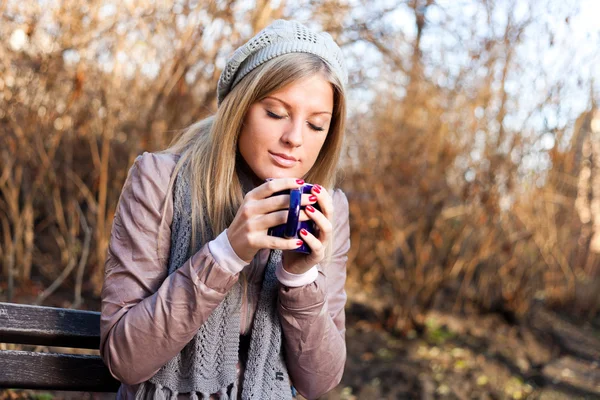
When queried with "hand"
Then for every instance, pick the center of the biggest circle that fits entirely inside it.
(248, 231)
(298, 263)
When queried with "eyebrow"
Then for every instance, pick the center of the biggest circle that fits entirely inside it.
(289, 107)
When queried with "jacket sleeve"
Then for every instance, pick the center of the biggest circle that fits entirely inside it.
(148, 317)
(313, 318)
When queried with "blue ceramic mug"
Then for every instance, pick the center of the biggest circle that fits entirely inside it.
(293, 225)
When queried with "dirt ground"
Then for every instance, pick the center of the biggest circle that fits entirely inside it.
(475, 357)
(546, 356)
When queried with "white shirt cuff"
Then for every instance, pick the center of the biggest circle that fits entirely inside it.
(296, 280)
(224, 255)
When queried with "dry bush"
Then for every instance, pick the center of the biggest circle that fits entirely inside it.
(443, 214)
(445, 211)
(86, 87)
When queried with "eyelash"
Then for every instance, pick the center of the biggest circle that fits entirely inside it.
(273, 115)
(313, 127)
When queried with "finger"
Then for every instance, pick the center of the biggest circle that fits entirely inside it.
(268, 205)
(322, 222)
(304, 216)
(274, 242)
(273, 186)
(275, 218)
(324, 200)
(309, 199)
(271, 220)
(315, 244)
(280, 202)
(274, 203)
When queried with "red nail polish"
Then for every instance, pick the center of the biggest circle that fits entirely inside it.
(303, 232)
(299, 242)
(317, 190)
(310, 208)
(319, 187)
(312, 197)
(300, 181)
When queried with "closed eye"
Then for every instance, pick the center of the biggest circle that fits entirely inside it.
(273, 115)
(316, 128)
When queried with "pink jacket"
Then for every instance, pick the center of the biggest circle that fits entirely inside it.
(148, 317)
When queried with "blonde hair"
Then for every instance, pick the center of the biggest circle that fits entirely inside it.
(208, 148)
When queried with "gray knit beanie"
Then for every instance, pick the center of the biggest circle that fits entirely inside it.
(281, 37)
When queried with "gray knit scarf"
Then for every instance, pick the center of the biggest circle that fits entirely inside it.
(207, 364)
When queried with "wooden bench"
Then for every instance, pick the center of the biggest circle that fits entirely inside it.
(56, 327)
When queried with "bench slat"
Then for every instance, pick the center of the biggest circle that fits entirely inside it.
(27, 324)
(28, 370)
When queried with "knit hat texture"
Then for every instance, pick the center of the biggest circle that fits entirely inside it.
(281, 37)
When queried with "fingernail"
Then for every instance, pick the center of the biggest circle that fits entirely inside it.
(312, 197)
(319, 187)
(310, 208)
(317, 190)
(299, 242)
(303, 232)
(300, 181)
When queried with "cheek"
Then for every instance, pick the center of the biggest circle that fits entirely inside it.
(314, 147)
(246, 145)
(255, 133)
(254, 142)
(248, 133)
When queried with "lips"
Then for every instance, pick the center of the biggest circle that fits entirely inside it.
(283, 160)
(290, 158)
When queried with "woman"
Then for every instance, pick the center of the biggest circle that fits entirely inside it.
(198, 300)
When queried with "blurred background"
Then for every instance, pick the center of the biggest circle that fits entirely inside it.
(472, 167)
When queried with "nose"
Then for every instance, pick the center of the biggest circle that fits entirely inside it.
(293, 135)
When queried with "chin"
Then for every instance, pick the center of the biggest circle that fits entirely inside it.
(281, 173)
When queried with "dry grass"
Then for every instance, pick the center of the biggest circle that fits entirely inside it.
(443, 212)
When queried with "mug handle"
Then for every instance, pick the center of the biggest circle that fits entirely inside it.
(291, 226)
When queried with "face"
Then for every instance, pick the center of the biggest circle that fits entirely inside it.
(283, 133)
